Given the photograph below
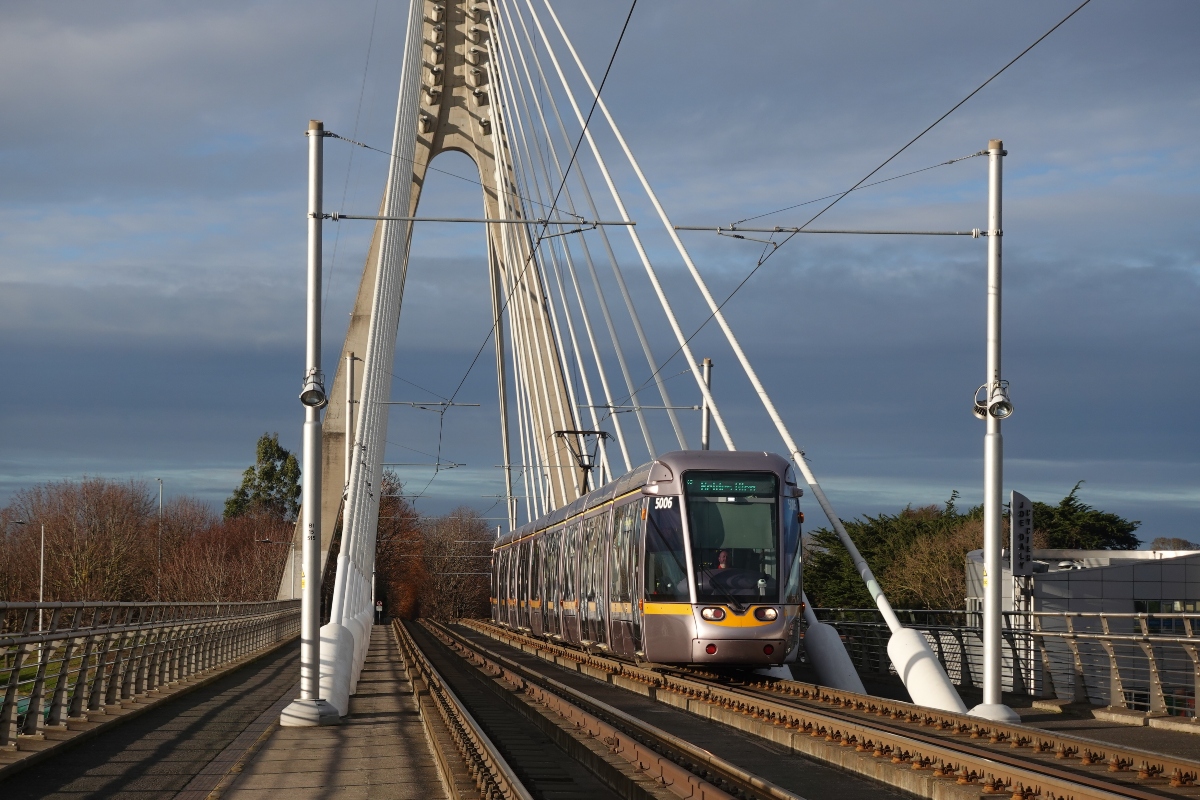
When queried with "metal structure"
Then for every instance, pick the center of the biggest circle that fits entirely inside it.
(95, 654)
(490, 80)
(1146, 662)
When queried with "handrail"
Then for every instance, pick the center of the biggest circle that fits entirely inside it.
(93, 654)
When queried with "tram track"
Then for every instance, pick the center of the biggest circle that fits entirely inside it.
(630, 757)
(853, 730)
(671, 765)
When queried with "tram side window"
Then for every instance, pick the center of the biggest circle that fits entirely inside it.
(791, 549)
(502, 577)
(666, 563)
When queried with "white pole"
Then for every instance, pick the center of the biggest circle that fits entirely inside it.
(704, 418)
(309, 709)
(41, 586)
(349, 419)
(993, 460)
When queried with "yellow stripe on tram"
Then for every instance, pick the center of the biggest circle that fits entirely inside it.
(684, 609)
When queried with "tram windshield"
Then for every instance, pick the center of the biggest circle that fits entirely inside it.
(733, 526)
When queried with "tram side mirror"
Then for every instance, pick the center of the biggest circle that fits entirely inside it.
(790, 490)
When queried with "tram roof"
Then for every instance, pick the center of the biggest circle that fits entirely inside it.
(676, 462)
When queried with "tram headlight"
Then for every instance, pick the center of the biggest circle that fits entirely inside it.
(713, 614)
(765, 614)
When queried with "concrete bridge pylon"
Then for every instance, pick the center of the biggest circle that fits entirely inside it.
(446, 104)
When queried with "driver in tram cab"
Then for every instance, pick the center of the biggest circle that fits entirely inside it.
(723, 559)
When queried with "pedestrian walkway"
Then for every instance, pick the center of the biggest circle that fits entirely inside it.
(379, 751)
(170, 751)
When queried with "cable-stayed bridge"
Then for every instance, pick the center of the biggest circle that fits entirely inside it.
(503, 83)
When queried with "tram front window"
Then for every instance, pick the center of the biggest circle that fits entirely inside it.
(734, 531)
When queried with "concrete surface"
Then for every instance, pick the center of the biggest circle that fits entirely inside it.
(380, 751)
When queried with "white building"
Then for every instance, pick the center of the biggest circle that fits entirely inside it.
(1114, 581)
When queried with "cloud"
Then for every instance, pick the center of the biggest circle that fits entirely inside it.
(152, 235)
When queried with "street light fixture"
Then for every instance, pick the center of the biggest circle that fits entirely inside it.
(997, 405)
(313, 394)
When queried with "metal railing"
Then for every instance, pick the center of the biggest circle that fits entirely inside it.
(1141, 662)
(90, 655)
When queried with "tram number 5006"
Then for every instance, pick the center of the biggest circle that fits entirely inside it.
(664, 502)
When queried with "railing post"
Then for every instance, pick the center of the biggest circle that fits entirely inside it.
(80, 687)
(58, 702)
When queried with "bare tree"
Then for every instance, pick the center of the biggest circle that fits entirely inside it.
(102, 543)
(930, 572)
(399, 560)
(457, 556)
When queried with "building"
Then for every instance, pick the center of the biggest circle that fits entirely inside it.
(1113, 581)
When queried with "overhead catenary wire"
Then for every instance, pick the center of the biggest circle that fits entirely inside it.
(860, 184)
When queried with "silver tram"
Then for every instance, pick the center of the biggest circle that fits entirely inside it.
(692, 558)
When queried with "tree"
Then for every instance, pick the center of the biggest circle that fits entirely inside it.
(929, 573)
(830, 579)
(1172, 543)
(456, 553)
(271, 486)
(399, 561)
(1074, 525)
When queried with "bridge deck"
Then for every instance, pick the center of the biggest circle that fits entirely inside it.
(379, 751)
(168, 749)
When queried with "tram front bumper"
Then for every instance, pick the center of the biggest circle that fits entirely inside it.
(738, 651)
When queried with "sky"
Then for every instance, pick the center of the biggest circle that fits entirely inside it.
(152, 240)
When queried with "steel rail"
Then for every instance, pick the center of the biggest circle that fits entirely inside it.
(617, 725)
(493, 775)
(801, 711)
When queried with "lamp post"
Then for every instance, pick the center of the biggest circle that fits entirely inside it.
(994, 407)
(41, 576)
(309, 709)
(158, 592)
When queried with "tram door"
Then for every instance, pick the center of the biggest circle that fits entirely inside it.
(503, 588)
(621, 578)
(536, 600)
(550, 578)
(570, 583)
(523, 584)
(593, 570)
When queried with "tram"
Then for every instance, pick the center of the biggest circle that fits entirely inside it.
(693, 558)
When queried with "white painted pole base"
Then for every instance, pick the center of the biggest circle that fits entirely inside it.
(308, 714)
(923, 676)
(337, 663)
(829, 658)
(996, 712)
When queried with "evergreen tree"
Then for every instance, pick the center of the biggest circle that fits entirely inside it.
(1073, 524)
(271, 486)
(830, 579)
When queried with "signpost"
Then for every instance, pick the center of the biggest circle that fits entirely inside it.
(1021, 535)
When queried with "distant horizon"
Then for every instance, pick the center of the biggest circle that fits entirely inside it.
(152, 243)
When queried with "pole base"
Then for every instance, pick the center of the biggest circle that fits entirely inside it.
(996, 712)
(308, 714)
